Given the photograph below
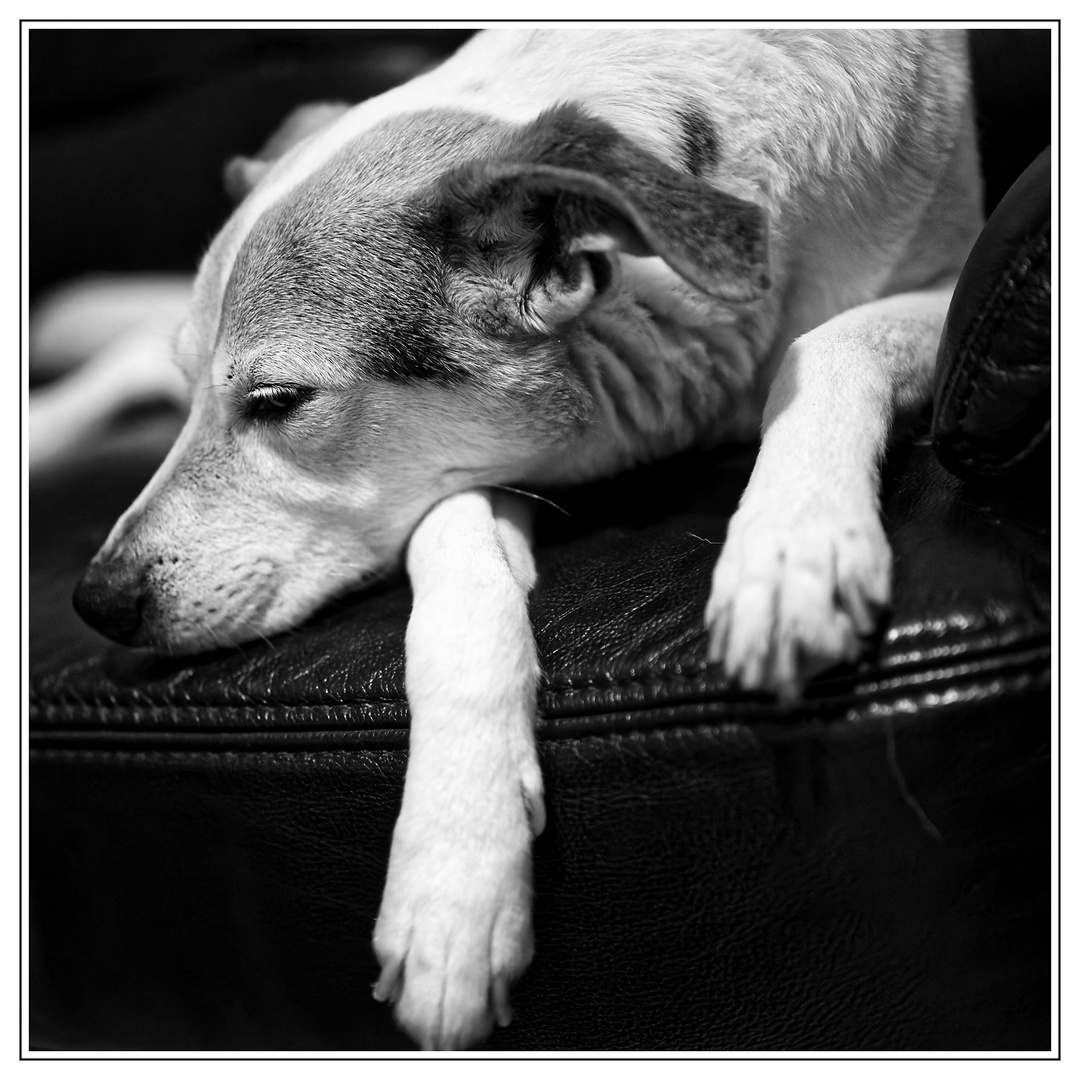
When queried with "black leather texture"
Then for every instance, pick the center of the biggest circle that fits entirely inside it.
(866, 870)
(992, 390)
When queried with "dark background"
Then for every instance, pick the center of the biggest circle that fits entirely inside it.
(130, 129)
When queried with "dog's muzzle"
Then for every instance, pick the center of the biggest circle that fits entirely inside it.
(111, 597)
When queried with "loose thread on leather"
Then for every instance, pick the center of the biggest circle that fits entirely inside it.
(905, 791)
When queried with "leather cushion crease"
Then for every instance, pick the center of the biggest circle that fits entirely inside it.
(865, 870)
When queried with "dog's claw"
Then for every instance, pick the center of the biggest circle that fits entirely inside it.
(500, 1001)
(388, 985)
(534, 808)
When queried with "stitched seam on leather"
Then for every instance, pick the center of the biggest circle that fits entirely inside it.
(906, 679)
(360, 702)
(200, 755)
(1012, 280)
(989, 308)
(849, 724)
(182, 714)
(848, 717)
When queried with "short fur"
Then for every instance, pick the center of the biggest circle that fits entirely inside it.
(557, 255)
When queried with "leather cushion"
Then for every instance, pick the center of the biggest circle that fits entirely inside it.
(866, 870)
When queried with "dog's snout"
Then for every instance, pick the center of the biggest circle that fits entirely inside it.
(111, 598)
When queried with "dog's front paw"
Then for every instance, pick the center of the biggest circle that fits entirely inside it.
(794, 594)
(455, 927)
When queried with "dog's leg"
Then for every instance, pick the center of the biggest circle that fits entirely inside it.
(806, 567)
(455, 925)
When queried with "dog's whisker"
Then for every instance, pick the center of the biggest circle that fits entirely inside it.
(531, 495)
(262, 637)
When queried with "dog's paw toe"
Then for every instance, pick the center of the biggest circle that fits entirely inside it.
(788, 603)
(450, 985)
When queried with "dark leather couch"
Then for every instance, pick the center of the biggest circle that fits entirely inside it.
(869, 870)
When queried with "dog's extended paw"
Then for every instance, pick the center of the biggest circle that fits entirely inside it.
(455, 927)
(793, 595)
(450, 948)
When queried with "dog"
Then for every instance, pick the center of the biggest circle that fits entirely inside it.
(556, 255)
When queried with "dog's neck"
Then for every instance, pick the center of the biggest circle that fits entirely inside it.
(666, 368)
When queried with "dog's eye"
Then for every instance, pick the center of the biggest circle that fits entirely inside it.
(275, 402)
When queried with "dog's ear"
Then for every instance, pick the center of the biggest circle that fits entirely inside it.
(529, 229)
(243, 173)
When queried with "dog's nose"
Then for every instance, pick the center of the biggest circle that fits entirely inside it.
(111, 598)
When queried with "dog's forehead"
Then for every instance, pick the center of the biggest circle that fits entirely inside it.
(340, 266)
(319, 270)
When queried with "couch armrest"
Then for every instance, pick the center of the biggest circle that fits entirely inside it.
(992, 387)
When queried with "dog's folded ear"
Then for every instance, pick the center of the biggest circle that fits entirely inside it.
(243, 173)
(528, 229)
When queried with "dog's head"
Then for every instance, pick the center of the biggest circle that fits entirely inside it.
(389, 318)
